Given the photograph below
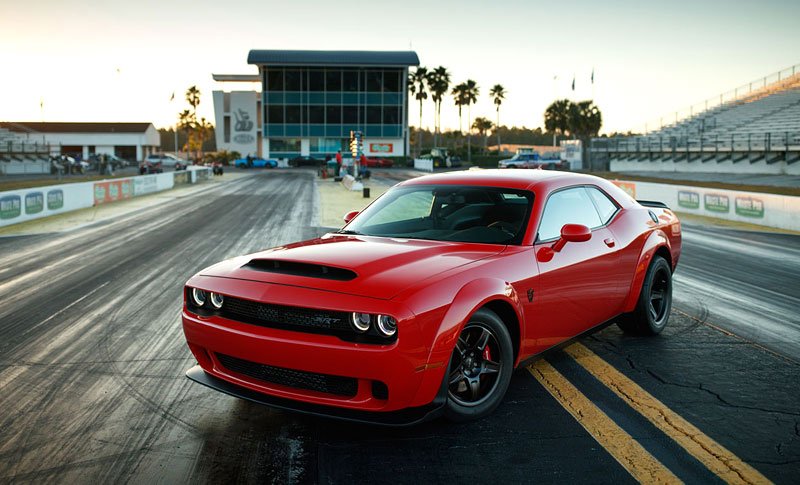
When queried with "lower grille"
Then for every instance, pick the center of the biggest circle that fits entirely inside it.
(340, 386)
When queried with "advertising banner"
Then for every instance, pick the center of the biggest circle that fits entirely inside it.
(112, 190)
(384, 148)
(779, 211)
(26, 204)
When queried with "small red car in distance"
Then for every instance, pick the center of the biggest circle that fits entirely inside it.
(379, 163)
(425, 302)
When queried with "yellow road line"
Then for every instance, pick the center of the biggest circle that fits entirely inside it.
(627, 451)
(714, 456)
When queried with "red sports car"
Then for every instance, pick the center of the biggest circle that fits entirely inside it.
(379, 163)
(425, 302)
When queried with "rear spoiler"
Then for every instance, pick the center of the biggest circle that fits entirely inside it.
(652, 203)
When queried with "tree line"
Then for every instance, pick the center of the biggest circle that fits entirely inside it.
(579, 120)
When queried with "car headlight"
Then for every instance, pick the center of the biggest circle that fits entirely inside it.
(216, 300)
(387, 325)
(198, 296)
(361, 321)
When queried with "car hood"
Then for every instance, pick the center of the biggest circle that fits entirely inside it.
(358, 265)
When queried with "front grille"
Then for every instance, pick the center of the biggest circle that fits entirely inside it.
(340, 386)
(291, 318)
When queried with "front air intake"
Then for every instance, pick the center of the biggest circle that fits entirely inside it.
(300, 269)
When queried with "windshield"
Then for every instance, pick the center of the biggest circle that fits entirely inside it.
(487, 215)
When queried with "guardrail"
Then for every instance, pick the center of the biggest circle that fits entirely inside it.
(13, 147)
(734, 142)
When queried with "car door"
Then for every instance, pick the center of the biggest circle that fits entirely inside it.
(578, 287)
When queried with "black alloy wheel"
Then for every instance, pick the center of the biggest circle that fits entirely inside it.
(480, 367)
(652, 310)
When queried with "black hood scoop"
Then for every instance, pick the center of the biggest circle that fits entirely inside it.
(300, 269)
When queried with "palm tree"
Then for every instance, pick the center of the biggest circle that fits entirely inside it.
(585, 119)
(418, 86)
(439, 82)
(498, 94)
(483, 126)
(471, 92)
(458, 98)
(193, 97)
(557, 118)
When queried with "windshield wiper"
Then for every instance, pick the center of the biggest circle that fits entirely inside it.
(348, 231)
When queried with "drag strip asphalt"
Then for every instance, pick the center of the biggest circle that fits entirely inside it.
(92, 362)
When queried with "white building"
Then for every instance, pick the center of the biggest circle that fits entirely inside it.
(131, 141)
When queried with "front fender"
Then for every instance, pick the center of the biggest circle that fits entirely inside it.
(655, 240)
(467, 301)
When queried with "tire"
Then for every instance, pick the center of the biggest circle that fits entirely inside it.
(652, 310)
(478, 377)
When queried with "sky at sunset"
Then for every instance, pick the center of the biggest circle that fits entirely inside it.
(121, 61)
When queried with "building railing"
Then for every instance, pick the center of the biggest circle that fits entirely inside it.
(741, 93)
(24, 148)
(739, 142)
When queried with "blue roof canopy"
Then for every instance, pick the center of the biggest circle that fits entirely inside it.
(333, 58)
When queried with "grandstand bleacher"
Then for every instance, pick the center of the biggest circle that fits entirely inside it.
(18, 155)
(757, 131)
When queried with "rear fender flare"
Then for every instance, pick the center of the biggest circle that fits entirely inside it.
(657, 239)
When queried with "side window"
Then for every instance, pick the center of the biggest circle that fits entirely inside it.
(570, 206)
(605, 206)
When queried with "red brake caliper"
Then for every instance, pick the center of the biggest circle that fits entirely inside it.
(487, 354)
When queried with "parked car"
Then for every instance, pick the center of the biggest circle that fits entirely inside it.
(305, 161)
(166, 159)
(217, 168)
(427, 300)
(255, 162)
(520, 160)
(148, 167)
(532, 160)
(441, 158)
(379, 163)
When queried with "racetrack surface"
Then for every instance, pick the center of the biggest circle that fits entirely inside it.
(92, 362)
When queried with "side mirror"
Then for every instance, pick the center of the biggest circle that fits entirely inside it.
(349, 216)
(572, 233)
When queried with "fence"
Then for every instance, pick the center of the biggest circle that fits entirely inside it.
(742, 142)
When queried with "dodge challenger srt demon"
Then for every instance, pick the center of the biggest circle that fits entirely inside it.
(427, 300)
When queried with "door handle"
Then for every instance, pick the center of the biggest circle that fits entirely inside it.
(610, 242)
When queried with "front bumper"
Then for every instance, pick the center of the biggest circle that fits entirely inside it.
(403, 417)
(413, 383)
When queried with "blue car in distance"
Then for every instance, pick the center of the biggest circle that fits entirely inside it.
(255, 162)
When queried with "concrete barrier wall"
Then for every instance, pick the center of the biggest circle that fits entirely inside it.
(27, 204)
(778, 211)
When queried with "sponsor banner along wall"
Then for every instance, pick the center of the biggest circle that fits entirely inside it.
(779, 211)
(27, 204)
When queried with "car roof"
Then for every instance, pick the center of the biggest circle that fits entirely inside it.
(540, 181)
(514, 179)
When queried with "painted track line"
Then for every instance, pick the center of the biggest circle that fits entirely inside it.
(711, 454)
(642, 466)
